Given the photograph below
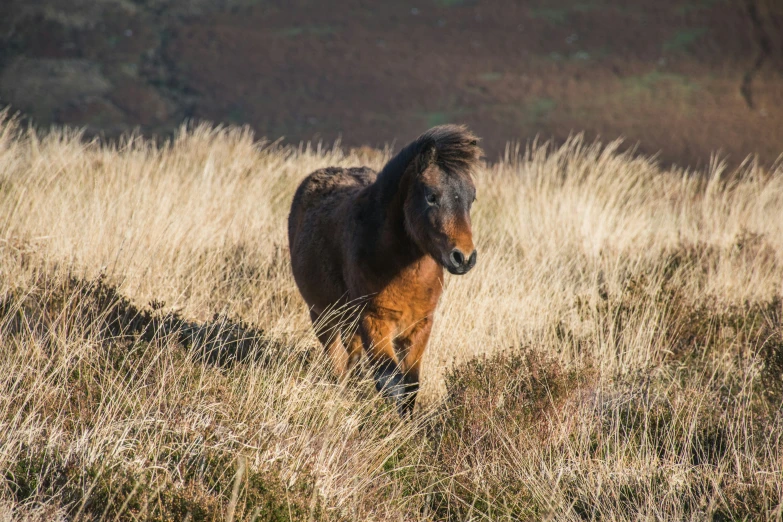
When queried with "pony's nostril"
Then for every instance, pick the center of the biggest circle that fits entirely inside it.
(472, 259)
(457, 258)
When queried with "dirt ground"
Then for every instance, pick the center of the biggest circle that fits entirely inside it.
(683, 79)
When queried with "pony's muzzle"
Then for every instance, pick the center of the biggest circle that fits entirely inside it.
(459, 263)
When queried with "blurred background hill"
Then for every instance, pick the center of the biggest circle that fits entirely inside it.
(681, 78)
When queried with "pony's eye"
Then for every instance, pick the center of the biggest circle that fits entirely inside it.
(432, 199)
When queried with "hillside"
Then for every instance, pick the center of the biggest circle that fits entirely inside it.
(615, 354)
(680, 78)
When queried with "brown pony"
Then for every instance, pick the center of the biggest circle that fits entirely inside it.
(382, 239)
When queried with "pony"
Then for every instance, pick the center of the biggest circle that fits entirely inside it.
(383, 239)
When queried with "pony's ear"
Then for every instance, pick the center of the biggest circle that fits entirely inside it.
(428, 156)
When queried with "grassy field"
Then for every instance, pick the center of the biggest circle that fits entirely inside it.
(617, 353)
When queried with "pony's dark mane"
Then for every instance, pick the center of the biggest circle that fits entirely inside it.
(457, 149)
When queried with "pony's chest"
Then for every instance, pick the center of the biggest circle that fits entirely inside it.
(410, 297)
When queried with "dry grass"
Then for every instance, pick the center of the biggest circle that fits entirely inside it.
(615, 355)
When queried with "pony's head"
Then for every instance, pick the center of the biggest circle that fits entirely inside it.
(440, 195)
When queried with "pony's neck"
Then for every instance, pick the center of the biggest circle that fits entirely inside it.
(394, 245)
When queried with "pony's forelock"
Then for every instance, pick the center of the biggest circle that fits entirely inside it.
(457, 149)
(457, 153)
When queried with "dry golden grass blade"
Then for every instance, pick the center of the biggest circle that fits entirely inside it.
(615, 354)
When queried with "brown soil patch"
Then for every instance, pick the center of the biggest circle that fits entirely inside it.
(682, 78)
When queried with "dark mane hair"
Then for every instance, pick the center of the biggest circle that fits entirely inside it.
(457, 149)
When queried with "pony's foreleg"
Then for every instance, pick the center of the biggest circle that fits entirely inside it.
(412, 346)
(377, 336)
